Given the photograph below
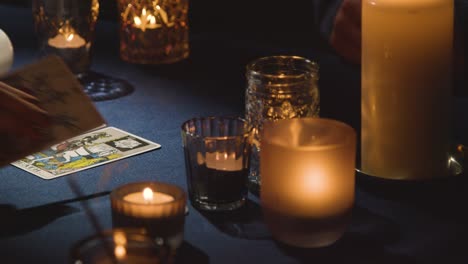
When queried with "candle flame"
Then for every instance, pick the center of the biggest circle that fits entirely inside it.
(148, 194)
(152, 19)
(70, 37)
(120, 238)
(137, 21)
(120, 251)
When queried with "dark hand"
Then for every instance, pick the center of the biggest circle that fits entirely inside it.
(22, 121)
(346, 34)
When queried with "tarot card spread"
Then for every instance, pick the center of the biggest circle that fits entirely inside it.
(60, 94)
(85, 151)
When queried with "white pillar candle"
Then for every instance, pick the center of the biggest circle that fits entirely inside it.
(406, 85)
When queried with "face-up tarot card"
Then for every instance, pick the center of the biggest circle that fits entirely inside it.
(85, 151)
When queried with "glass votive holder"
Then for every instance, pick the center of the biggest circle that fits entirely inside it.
(307, 167)
(153, 31)
(278, 87)
(119, 246)
(157, 207)
(217, 151)
(66, 28)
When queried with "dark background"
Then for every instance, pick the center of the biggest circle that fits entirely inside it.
(278, 21)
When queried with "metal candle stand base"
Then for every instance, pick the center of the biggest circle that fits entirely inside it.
(100, 87)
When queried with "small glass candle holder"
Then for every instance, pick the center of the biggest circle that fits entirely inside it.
(153, 31)
(307, 167)
(278, 87)
(119, 246)
(66, 28)
(157, 207)
(217, 152)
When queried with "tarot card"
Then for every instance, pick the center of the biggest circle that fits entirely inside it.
(85, 151)
(71, 111)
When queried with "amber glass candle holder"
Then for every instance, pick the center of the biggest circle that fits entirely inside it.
(153, 31)
(159, 208)
(66, 28)
(120, 246)
(307, 168)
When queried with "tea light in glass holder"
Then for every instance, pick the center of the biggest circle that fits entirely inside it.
(153, 31)
(66, 38)
(157, 207)
(307, 167)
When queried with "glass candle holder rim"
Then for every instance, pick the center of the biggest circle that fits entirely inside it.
(135, 234)
(348, 139)
(246, 133)
(252, 68)
(117, 193)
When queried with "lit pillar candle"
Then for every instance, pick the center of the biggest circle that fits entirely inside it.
(307, 168)
(406, 85)
(157, 207)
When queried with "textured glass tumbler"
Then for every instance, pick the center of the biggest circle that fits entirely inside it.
(119, 246)
(153, 31)
(279, 87)
(307, 168)
(66, 28)
(217, 152)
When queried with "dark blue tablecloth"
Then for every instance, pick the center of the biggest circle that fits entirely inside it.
(392, 222)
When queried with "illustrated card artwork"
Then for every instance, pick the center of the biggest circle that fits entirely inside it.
(83, 152)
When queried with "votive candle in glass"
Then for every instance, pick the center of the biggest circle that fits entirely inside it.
(307, 167)
(157, 207)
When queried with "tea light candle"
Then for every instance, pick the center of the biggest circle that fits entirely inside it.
(146, 20)
(406, 87)
(221, 161)
(157, 207)
(148, 197)
(307, 168)
(67, 38)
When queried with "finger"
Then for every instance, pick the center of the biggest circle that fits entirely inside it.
(19, 93)
(19, 133)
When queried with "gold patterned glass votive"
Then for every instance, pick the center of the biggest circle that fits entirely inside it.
(157, 207)
(153, 31)
(66, 28)
(278, 87)
(307, 168)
